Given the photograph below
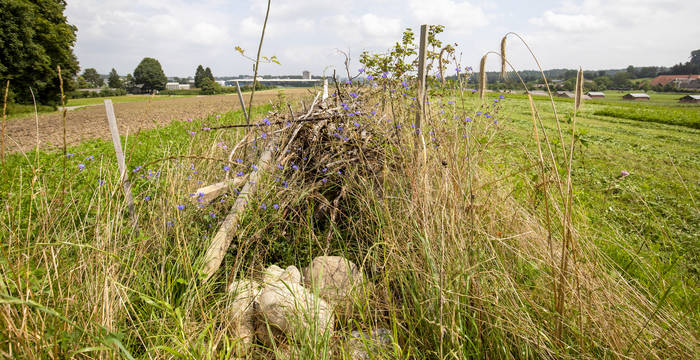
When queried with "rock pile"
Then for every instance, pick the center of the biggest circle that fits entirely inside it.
(285, 305)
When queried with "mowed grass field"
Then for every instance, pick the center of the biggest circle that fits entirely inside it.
(652, 213)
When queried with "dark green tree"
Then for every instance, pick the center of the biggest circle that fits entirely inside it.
(209, 87)
(602, 83)
(93, 78)
(81, 83)
(35, 38)
(695, 57)
(198, 76)
(114, 81)
(621, 80)
(208, 74)
(150, 74)
(129, 83)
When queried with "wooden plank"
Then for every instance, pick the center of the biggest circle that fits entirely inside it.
(207, 194)
(222, 240)
(123, 177)
(420, 92)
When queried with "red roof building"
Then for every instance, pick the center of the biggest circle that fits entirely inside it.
(665, 79)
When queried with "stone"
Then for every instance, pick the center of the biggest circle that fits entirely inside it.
(292, 310)
(243, 311)
(334, 277)
(378, 342)
(291, 275)
(274, 273)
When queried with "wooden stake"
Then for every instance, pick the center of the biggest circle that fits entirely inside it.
(240, 98)
(123, 177)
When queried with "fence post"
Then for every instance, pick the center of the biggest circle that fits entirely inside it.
(420, 93)
(240, 98)
(123, 177)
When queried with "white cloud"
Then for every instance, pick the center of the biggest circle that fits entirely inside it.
(305, 33)
(567, 22)
(457, 16)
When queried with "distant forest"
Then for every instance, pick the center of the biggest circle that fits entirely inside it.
(628, 78)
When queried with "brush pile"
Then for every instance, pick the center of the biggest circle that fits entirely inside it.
(311, 153)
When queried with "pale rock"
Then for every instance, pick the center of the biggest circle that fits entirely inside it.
(334, 277)
(292, 310)
(243, 311)
(272, 274)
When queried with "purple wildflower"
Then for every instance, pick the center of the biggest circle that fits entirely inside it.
(181, 207)
(81, 167)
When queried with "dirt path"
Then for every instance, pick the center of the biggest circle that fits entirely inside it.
(90, 122)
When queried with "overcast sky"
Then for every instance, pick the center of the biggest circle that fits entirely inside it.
(304, 34)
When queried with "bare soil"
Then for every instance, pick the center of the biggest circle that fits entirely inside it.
(90, 122)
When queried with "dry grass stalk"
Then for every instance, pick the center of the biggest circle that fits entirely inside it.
(503, 57)
(579, 89)
(4, 111)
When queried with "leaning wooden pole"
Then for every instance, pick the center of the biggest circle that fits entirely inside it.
(222, 240)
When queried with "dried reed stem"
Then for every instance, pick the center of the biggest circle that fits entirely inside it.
(503, 57)
(482, 76)
(579, 89)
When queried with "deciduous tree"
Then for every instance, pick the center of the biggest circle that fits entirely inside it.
(114, 81)
(150, 74)
(93, 78)
(35, 38)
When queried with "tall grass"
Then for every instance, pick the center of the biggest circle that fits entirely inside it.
(459, 248)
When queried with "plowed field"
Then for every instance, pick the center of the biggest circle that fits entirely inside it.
(90, 122)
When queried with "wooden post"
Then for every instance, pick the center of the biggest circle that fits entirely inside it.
(325, 91)
(420, 92)
(123, 177)
(240, 98)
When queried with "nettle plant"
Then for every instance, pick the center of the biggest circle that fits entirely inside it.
(399, 61)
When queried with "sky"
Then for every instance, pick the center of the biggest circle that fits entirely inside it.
(307, 34)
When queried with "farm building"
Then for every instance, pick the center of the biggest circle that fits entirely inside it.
(596, 94)
(690, 99)
(677, 80)
(172, 86)
(636, 96)
(571, 95)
